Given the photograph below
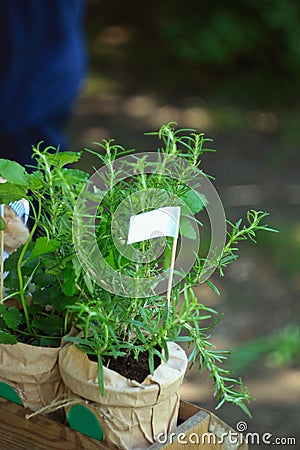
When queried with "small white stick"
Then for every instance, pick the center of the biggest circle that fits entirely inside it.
(1, 255)
(171, 271)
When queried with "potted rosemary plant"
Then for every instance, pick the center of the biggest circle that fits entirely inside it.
(138, 299)
(40, 276)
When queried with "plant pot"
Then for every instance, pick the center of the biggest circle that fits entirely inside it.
(29, 375)
(131, 414)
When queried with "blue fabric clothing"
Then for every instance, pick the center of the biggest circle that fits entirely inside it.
(43, 63)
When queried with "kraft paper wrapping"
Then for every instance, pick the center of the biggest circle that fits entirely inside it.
(131, 414)
(33, 373)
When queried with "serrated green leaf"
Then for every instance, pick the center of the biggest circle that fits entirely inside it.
(50, 325)
(11, 280)
(75, 175)
(10, 192)
(42, 279)
(186, 228)
(35, 309)
(35, 180)
(53, 296)
(61, 159)
(13, 172)
(6, 338)
(195, 201)
(69, 284)
(12, 317)
(51, 266)
(42, 246)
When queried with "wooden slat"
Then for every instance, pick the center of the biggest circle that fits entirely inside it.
(187, 410)
(197, 423)
(198, 432)
(38, 433)
(41, 433)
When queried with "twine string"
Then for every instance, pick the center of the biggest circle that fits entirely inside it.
(57, 404)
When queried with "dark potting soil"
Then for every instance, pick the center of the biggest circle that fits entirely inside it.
(130, 367)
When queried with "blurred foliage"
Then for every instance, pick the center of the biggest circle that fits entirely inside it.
(246, 50)
(285, 251)
(279, 350)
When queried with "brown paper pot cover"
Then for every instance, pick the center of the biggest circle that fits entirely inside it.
(32, 372)
(131, 414)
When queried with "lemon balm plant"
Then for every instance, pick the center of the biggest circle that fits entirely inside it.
(124, 318)
(41, 276)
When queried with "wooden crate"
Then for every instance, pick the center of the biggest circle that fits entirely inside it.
(41, 433)
(38, 433)
(201, 429)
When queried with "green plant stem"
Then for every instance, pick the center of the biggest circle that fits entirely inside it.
(49, 180)
(19, 266)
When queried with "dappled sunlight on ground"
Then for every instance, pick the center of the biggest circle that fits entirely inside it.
(148, 112)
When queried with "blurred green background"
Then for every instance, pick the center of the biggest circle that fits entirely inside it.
(230, 70)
